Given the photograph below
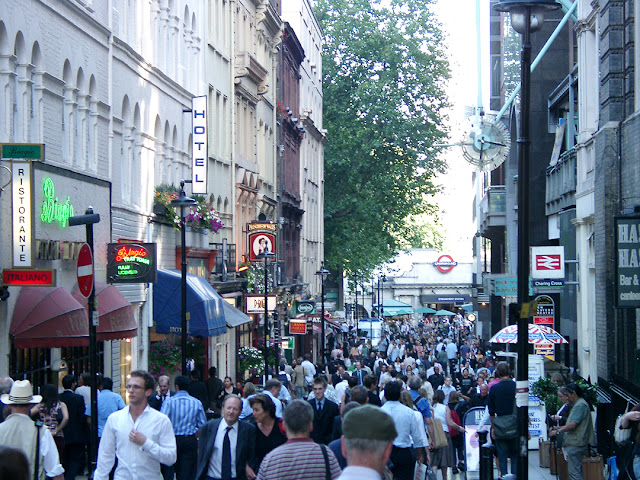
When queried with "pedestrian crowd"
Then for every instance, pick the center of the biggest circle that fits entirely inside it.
(362, 412)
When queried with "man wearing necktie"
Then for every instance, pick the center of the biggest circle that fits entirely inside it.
(324, 413)
(164, 386)
(226, 445)
(359, 373)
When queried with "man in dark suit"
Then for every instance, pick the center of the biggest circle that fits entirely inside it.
(324, 411)
(198, 389)
(76, 432)
(164, 385)
(215, 451)
(214, 387)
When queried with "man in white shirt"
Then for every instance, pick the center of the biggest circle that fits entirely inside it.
(367, 442)
(408, 445)
(310, 370)
(342, 386)
(139, 436)
(272, 388)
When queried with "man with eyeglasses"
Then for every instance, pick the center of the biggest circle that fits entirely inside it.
(140, 437)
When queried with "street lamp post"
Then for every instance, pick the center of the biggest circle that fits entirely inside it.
(355, 309)
(266, 256)
(88, 220)
(384, 279)
(183, 201)
(527, 16)
(323, 273)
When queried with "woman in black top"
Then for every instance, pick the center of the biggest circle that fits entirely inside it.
(268, 434)
(228, 389)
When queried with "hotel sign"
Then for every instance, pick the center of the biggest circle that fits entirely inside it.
(627, 255)
(199, 147)
(131, 263)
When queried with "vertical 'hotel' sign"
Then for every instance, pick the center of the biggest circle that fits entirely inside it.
(199, 148)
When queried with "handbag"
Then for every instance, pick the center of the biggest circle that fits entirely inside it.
(621, 435)
(439, 437)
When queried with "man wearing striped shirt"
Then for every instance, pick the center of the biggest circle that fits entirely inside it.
(187, 417)
(300, 457)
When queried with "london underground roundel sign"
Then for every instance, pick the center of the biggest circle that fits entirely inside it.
(445, 263)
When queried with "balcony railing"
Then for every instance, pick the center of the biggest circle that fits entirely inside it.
(561, 183)
(231, 258)
(493, 209)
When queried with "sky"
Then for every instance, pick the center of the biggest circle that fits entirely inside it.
(458, 21)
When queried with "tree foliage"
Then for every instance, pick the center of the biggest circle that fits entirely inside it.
(384, 72)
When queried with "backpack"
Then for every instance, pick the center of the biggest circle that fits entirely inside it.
(282, 376)
(456, 420)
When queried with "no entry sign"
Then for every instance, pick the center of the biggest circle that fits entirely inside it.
(85, 270)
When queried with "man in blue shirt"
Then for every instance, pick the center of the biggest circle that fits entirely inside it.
(187, 417)
(422, 404)
(108, 402)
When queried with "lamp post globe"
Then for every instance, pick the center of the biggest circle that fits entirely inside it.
(527, 16)
(322, 273)
(183, 201)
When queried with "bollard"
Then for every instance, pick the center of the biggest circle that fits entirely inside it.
(486, 461)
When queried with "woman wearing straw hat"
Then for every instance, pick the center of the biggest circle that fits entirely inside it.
(19, 431)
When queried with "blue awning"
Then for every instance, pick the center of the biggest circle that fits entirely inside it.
(204, 305)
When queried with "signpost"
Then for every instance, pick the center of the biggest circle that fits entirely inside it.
(627, 260)
(544, 315)
(85, 270)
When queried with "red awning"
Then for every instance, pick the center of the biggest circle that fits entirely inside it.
(48, 317)
(115, 313)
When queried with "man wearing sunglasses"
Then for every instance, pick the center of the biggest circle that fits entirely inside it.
(140, 437)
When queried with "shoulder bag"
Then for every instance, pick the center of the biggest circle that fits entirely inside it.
(326, 462)
(620, 434)
(439, 437)
(505, 427)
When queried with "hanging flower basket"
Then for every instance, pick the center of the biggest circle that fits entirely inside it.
(201, 216)
(249, 358)
(164, 358)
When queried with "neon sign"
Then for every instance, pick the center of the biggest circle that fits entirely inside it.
(131, 263)
(52, 209)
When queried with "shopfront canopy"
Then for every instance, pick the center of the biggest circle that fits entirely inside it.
(394, 307)
(234, 317)
(48, 317)
(204, 305)
(115, 313)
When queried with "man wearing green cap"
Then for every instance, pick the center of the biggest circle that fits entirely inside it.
(367, 441)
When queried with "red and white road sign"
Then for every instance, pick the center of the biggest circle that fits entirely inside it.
(85, 270)
(543, 321)
(547, 262)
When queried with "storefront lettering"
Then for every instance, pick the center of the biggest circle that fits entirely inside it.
(22, 216)
(127, 254)
(52, 208)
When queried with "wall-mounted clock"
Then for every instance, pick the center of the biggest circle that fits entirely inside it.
(487, 144)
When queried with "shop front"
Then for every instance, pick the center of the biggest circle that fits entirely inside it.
(48, 328)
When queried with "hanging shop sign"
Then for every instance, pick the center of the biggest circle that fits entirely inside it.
(199, 146)
(22, 214)
(54, 209)
(131, 263)
(544, 315)
(297, 326)
(255, 303)
(627, 244)
(30, 278)
(305, 307)
(445, 263)
(547, 262)
(262, 239)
